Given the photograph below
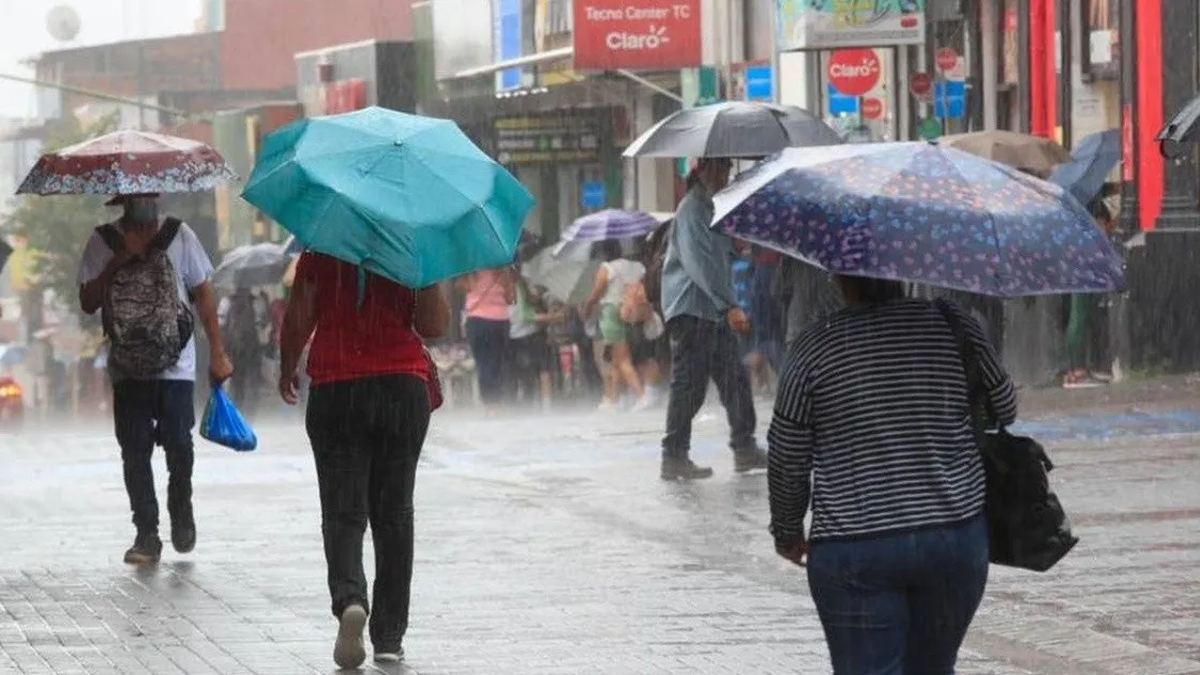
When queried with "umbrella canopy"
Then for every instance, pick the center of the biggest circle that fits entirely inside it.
(128, 162)
(407, 197)
(1033, 154)
(1183, 127)
(1097, 155)
(256, 265)
(733, 129)
(611, 224)
(921, 213)
(566, 271)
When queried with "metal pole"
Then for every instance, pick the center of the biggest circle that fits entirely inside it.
(989, 30)
(99, 95)
(775, 51)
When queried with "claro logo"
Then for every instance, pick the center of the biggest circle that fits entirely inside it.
(653, 38)
(864, 69)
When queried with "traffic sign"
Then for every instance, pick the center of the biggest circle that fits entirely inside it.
(920, 84)
(872, 108)
(592, 194)
(950, 99)
(946, 59)
(929, 129)
(854, 72)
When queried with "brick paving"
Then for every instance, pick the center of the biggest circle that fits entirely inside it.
(549, 546)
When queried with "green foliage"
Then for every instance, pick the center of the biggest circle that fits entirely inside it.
(58, 226)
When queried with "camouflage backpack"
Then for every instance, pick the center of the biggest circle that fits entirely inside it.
(146, 323)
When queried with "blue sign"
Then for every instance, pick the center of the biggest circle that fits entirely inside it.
(950, 99)
(592, 195)
(758, 83)
(508, 42)
(840, 104)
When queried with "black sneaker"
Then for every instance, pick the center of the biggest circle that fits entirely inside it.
(682, 468)
(183, 536)
(749, 460)
(146, 550)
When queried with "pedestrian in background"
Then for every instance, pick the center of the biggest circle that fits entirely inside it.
(872, 427)
(616, 273)
(368, 412)
(489, 294)
(702, 316)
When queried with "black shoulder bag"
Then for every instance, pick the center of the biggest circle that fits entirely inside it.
(1027, 526)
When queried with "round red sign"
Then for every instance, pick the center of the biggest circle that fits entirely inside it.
(920, 84)
(853, 72)
(872, 108)
(946, 59)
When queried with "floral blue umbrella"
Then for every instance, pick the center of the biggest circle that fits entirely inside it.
(921, 213)
(407, 197)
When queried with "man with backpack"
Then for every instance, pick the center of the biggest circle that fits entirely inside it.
(141, 272)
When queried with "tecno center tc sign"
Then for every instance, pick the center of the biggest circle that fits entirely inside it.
(637, 34)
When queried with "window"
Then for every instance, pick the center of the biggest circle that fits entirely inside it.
(1101, 39)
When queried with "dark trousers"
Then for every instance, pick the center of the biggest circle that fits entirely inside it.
(899, 605)
(489, 342)
(366, 436)
(703, 350)
(246, 386)
(148, 413)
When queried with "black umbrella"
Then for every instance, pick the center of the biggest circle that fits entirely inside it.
(1184, 127)
(5, 251)
(733, 129)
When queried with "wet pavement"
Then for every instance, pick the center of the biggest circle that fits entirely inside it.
(548, 545)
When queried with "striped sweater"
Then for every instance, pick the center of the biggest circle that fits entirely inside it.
(871, 424)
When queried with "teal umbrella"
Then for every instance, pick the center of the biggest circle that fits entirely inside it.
(407, 197)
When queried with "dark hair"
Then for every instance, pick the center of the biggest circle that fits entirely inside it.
(872, 291)
(607, 250)
(693, 176)
(1099, 210)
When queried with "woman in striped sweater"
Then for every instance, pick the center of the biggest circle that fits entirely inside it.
(871, 426)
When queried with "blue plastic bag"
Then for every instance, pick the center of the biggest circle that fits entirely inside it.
(224, 425)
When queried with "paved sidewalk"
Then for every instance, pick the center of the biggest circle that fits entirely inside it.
(549, 546)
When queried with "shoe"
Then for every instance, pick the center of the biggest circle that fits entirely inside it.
(682, 468)
(183, 536)
(749, 460)
(389, 655)
(146, 550)
(348, 651)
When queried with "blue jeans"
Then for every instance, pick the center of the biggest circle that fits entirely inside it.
(899, 605)
(148, 413)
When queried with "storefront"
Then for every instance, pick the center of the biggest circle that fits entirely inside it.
(350, 77)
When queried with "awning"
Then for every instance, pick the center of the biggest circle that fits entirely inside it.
(555, 55)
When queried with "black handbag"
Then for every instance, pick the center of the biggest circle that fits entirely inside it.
(1027, 526)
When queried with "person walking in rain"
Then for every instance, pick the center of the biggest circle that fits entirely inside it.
(702, 315)
(372, 392)
(137, 262)
(872, 429)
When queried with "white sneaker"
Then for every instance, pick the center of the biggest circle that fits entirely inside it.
(348, 651)
(646, 402)
(388, 657)
(608, 406)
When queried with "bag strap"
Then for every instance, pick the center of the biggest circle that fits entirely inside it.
(978, 403)
(112, 237)
(166, 233)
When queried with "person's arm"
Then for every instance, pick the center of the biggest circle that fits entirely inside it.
(599, 287)
(432, 314)
(1001, 393)
(705, 256)
(299, 320)
(196, 271)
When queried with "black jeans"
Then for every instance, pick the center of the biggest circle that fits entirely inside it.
(366, 436)
(701, 350)
(146, 413)
(488, 340)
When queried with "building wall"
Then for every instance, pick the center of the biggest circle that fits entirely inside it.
(261, 37)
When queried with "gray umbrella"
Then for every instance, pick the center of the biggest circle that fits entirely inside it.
(733, 129)
(566, 271)
(256, 265)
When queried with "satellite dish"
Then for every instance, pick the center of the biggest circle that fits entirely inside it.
(63, 23)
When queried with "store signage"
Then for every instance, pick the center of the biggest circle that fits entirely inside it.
(833, 24)
(508, 42)
(872, 108)
(637, 34)
(840, 104)
(758, 83)
(854, 72)
(950, 99)
(568, 137)
(920, 84)
(946, 59)
(593, 194)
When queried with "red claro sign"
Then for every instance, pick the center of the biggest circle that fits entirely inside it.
(853, 72)
(637, 34)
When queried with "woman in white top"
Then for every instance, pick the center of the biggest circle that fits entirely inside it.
(614, 275)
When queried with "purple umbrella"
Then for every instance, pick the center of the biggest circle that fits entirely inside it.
(611, 224)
